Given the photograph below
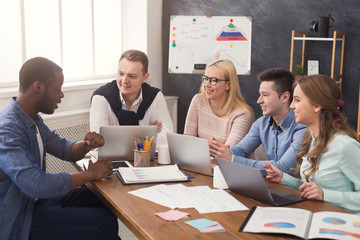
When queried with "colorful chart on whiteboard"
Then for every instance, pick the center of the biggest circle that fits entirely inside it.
(196, 41)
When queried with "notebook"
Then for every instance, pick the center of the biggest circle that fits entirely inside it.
(157, 174)
(190, 153)
(249, 182)
(119, 141)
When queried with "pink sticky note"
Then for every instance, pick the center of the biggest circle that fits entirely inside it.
(216, 228)
(172, 215)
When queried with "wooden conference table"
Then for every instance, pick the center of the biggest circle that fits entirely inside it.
(138, 214)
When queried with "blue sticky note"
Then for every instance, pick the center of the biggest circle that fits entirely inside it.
(201, 223)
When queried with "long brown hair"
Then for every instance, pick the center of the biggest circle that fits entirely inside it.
(321, 91)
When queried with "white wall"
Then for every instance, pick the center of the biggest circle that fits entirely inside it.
(135, 27)
(154, 41)
(143, 32)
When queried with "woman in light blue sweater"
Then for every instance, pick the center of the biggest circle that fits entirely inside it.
(329, 159)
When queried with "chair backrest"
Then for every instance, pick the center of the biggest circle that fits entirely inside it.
(76, 132)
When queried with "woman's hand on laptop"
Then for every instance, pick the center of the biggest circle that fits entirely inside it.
(310, 190)
(219, 150)
(273, 173)
(158, 124)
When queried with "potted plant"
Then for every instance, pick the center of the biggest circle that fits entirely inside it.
(299, 71)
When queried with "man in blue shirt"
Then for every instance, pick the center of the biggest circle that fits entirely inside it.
(277, 130)
(33, 203)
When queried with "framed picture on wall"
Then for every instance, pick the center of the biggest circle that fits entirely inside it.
(313, 66)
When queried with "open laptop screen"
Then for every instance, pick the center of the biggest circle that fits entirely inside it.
(119, 141)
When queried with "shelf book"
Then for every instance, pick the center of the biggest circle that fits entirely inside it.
(135, 175)
(302, 223)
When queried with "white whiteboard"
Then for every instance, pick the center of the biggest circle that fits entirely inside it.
(197, 40)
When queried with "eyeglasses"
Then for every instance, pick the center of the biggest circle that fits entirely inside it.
(213, 80)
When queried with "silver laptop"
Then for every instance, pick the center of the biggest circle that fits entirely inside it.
(190, 153)
(119, 141)
(249, 182)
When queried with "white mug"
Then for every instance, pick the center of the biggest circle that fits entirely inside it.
(218, 179)
(163, 154)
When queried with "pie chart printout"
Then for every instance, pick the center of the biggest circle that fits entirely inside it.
(279, 225)
(333, 220)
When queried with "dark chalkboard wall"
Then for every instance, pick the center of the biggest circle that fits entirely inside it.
(272, 22)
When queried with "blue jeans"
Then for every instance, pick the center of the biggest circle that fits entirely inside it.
(78, 215)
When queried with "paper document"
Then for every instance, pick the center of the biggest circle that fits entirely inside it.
(202, 198)
(302, 223)
(169, 173)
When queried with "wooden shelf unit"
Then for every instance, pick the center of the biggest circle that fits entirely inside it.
(338, 36)
(358, 123)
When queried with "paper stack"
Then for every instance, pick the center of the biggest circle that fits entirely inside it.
(134, 175)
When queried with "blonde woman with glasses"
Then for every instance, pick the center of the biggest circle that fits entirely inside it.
(219, 111)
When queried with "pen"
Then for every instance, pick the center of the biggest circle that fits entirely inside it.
(139, 146)
(84, 167)
(152, 138)
(138, 161)
(93, 156)
(146, 144)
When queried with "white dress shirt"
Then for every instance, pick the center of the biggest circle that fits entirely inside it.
(101, 114)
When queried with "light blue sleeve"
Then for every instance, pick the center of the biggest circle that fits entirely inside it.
(249, 144)
(350, 166)
(291, 181)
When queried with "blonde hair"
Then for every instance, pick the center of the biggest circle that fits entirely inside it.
(234, 98)
(321, 91)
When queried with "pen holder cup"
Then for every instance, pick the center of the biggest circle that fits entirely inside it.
(141, 158)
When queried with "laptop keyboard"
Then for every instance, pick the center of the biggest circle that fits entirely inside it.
(280, 199)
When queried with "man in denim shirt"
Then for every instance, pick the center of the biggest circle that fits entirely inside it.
(277, 130)
(33, 203)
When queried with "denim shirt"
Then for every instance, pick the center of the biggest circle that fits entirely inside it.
(281, 143)
(21, 178)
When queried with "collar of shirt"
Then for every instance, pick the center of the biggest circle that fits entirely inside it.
(30, 124)
(28, 121)
(135, 106)
(285, 123)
